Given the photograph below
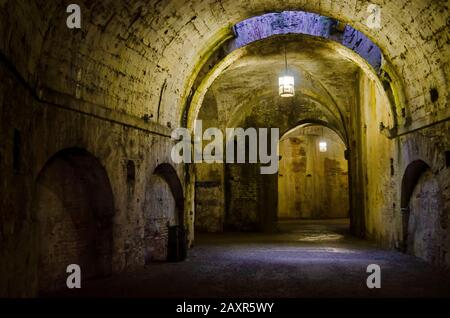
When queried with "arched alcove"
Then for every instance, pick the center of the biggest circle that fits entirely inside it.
(169, 174)
(164, 208)
(421, 205)
(74, 209)
(412, 174)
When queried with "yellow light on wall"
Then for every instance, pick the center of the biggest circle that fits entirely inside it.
(286, 82)
(286, 85)
(323, 147)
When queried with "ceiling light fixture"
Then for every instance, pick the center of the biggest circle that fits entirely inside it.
(286, 81)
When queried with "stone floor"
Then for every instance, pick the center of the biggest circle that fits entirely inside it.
(305, 259)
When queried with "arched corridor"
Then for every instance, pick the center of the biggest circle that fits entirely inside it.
(313, 175)
(224, 148)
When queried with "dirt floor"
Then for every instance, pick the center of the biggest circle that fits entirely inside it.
(305, 259)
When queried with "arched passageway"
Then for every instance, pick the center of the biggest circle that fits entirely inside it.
(374, 73)
(243, 94)
(74, 209)
(313, 175)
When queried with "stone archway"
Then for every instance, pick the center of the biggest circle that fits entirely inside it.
(74, 209)
(312, 182)
(165, 197)
(168, 173)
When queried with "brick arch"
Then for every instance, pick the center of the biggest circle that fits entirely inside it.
(300, 22)
(419, 148)
(169, 174)
(410, 178)
(73, 205)
(312, 121)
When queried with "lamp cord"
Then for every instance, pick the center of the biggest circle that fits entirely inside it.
(285, 61)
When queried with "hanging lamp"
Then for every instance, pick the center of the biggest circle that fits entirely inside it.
(286, 81)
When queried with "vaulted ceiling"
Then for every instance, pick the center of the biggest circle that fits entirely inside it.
(325, 82)
(141, 57)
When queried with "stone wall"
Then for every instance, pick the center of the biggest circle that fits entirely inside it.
(72, 209)
(209, 197)
(424, 226)
(32, 133)
(373, 155)
(425, 197)
(209, 180)
(242, 197)
(385, 162)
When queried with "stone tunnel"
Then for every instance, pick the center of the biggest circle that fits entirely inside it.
(89, 115)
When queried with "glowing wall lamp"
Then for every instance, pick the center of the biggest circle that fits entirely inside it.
(323, 147)
(286, 82)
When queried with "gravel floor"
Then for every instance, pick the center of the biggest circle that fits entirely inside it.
(305, 259)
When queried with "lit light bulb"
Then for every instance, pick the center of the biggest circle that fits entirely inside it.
(286, 85)
(323, 146)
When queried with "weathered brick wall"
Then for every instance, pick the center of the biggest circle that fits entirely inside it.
(73, 211)
(209, 197)
(242, 196)
(376, 180)
(209, 183)
(386, 161)
(429, 204)
(424, 228)
(45, 130)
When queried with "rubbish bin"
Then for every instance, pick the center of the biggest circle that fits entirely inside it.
(177, 245)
